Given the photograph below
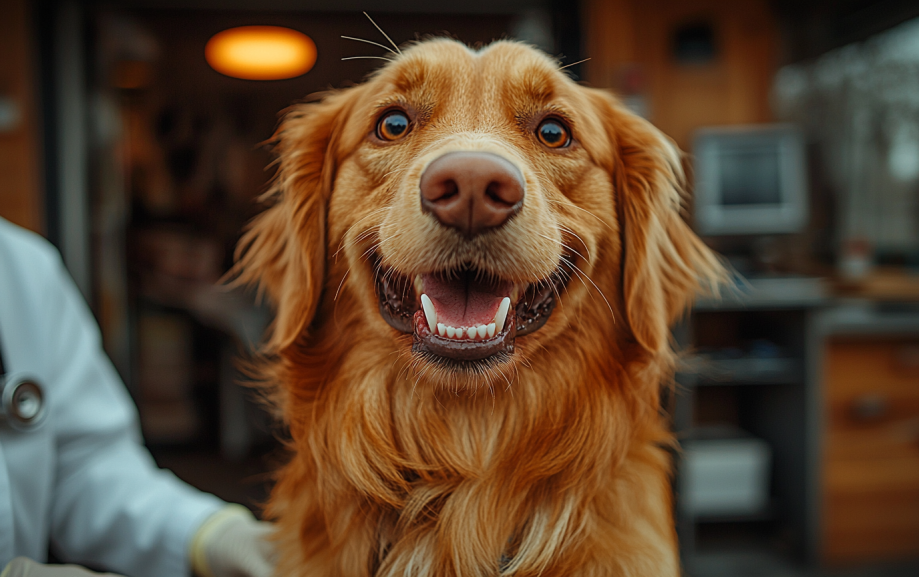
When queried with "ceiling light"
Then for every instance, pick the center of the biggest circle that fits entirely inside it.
(260, 52)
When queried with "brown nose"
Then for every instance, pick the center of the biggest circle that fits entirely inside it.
(472, 191)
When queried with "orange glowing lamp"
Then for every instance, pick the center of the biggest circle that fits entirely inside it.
(260, 52)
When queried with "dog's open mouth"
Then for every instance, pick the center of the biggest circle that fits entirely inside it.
(465, 315)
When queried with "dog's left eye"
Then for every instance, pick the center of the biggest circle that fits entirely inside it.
(552, 133)
(393, 125)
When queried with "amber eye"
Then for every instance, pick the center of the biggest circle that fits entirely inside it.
(553, 133)
(393, 125)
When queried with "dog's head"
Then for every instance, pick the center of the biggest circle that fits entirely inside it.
(475, 205)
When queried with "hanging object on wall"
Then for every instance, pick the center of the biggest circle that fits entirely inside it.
(261, 53)
(694, 44)
(10, 113)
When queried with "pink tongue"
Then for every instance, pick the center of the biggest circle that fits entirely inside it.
(463, 301)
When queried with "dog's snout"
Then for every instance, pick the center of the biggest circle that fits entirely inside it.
(472, 191)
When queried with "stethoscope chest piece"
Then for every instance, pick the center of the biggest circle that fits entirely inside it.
(22, 401)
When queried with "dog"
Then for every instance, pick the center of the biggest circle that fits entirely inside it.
(474, 263)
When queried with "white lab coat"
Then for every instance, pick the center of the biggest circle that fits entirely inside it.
(83, 481)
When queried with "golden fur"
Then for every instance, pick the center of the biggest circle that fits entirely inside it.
(554, 463)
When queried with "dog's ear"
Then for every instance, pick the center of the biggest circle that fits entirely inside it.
(283, 250)
(664, 264)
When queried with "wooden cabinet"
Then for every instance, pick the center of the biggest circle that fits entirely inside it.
(20, 183)
(632, 45)
(871, 449)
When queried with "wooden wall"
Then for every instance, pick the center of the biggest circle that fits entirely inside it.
(637, 36)
(20, 183)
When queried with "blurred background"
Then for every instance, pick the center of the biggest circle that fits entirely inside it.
(798, 398)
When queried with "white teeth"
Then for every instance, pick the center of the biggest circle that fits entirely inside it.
(501, 315)
(476, 332)
(429, 312)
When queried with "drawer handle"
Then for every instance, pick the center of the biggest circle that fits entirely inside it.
(869, 408)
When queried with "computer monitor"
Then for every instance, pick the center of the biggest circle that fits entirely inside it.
(749, 180)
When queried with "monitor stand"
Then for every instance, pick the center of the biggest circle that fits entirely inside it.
(755, 256)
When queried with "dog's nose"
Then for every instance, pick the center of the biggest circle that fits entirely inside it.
(472, 191)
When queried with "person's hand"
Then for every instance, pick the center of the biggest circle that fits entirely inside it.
(232, 543)
(23, 567)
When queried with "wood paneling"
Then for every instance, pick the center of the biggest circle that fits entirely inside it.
(733, 89)
(871, 451)
(20, 191)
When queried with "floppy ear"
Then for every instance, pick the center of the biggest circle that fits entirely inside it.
(664, 264)
(283, 250)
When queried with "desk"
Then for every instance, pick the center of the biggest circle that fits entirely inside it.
(754, 363)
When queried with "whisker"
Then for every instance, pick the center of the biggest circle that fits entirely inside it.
(584, 275)
(506, 380)
(439, 402)
(396, 360)
(366, 216)
(417, 377)
(383, 33)
(575, 235)
(345, 276)
(396, 171)
(515, 379)
(554, 288)
(367, 57)
(567, 277)
(346, 243)
(572, 205)
(550, 239)
(567, 65)
(370, 249)
(383, 46)
(361, 237)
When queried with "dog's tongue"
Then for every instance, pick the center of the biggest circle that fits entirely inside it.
(463, 301)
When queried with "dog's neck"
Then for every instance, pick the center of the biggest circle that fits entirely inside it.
(539, 415)
(419, 462)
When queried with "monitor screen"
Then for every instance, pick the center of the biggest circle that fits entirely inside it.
(749, 180)
(750, 175)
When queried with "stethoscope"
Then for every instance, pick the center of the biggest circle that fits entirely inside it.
(23, 405)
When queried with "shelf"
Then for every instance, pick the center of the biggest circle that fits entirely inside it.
(747, 560)
(768, 293)
(703, 371)
(768, 513)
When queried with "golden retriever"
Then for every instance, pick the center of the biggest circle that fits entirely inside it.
(474, 263)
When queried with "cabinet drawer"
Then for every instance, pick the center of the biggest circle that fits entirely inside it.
(887, 366)
(891, 439)
(866, 526)
(871, 510)
(872, 391)
(871, 459)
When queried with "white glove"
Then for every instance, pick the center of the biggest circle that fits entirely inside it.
(232, 543)
(23, 567)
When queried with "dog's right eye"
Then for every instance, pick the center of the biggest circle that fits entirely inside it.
(553, 133)
(393, 125)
